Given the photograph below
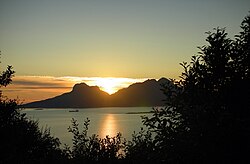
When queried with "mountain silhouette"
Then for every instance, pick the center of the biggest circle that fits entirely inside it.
(147, 93)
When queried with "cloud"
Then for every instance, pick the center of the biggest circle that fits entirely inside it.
(33, 88)
(40, 82)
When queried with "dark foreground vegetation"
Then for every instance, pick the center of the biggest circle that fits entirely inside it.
(206, 118)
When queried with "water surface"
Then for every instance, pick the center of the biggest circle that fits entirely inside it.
(103, 121)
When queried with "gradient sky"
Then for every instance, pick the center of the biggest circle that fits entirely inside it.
(109, 38)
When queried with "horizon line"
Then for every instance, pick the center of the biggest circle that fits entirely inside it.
(35, 88)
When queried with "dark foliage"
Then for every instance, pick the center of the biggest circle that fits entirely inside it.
(92, 149)
(21, 140)
(206, 118)
(5, 77)
(140, 148)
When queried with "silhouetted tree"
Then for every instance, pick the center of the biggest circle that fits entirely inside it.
(140, 148)
(206, 118)
(21, 140)
(92, 149)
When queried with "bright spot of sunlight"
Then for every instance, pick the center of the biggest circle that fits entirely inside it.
(108, 126)
(107, 84)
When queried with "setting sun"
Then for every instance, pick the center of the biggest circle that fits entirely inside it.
(108, 85)
(112, 85)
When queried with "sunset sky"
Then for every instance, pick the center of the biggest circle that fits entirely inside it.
(47, 40)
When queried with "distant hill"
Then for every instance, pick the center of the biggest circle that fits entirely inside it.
(147, 93)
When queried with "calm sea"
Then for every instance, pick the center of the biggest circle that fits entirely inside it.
(103, 121)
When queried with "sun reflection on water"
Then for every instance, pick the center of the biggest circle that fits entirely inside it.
(108, 126)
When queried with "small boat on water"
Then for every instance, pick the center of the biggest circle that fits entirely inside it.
(76, 110)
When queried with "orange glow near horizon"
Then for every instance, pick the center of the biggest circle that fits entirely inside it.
(107, 84)
(35, 88)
